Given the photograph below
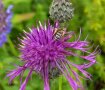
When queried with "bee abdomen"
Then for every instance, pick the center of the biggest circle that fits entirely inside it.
(58, 35)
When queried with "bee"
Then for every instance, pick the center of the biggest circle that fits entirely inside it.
(59, 32)
(54, 72)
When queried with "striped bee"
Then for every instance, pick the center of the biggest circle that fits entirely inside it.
(54, 73)
(59, 32)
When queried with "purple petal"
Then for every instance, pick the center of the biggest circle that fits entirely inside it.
(23, 86)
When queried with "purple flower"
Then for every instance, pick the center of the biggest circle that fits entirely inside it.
(5, 23)
(42, 52)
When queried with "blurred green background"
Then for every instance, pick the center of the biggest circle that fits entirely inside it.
(89, 15)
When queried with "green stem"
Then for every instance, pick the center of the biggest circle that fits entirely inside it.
(13, 50)
(60, 83)
(5, 49)
(53, 83)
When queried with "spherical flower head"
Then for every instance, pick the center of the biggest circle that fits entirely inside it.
(41, 52)
(61, 10)
(5, 22)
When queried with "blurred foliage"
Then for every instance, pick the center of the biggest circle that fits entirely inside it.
(89, 15)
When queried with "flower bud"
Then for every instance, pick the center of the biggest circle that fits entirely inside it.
(61, 10)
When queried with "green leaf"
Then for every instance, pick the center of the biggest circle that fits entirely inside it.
(18, 18)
